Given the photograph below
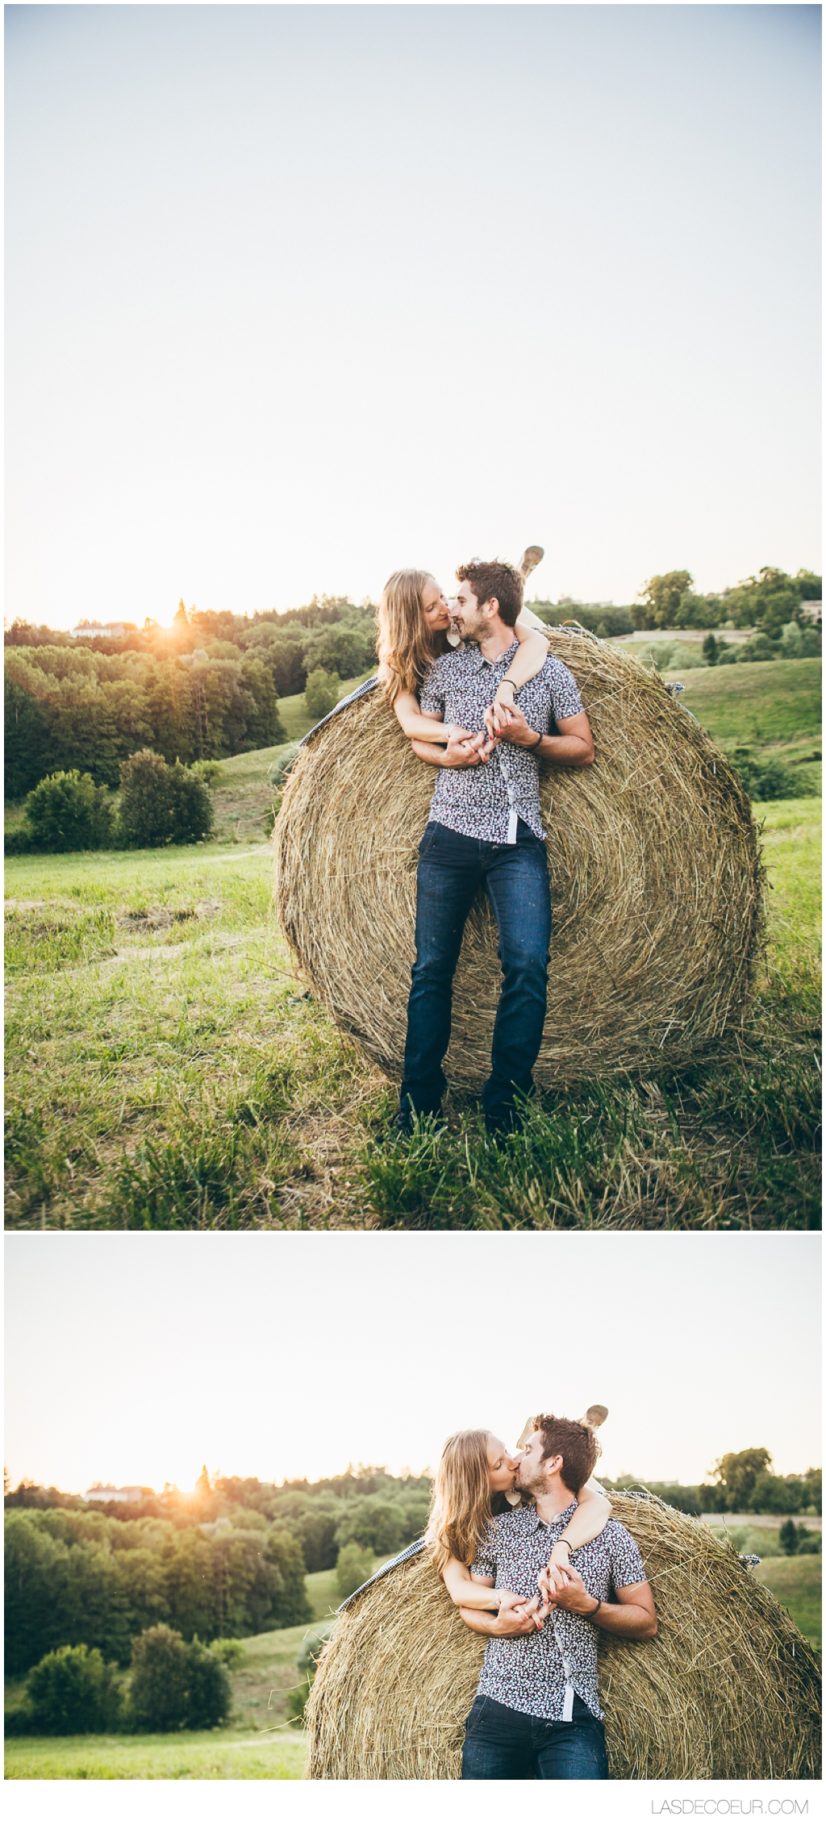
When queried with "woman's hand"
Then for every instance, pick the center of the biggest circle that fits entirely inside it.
(475, 748)
(509, 1599)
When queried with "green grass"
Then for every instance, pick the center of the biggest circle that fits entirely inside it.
(165, 1070)
(227, 1756)
(324, 1592)
(129, 973)
(757, 702)
(773, 707)
(292, 710)
(796, 1583)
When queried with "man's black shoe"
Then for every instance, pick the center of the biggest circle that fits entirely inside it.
(404, 1122)
(502, 1125)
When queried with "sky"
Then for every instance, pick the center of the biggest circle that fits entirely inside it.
(136, 1359)
(300, 295)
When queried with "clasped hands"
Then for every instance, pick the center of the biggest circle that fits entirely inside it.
(502, 721)
(559, 1586)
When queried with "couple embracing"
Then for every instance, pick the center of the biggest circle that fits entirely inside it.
(533, 1560)
(485, 712)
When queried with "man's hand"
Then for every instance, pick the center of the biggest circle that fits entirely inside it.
(568, 1588)
(552, 1583)
(500, 712)
(517, 731)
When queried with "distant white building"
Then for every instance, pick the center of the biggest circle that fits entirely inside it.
(811, 610)
(100, 1492)
(90, 631)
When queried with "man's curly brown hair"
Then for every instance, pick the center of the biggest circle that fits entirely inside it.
(574, 1443)
(495, 579)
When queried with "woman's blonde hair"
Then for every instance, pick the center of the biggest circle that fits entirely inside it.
(406, 647)
(460, 1513)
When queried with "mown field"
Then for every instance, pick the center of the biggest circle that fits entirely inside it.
(166, 1070)
(259, 1741)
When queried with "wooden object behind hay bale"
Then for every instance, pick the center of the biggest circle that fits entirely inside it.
(655, 879)
(728, 1691)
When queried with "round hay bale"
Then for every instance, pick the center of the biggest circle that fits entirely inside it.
(729, 1689)
(655, 877)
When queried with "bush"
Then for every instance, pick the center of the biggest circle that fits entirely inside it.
(162, 804)
(231, 1653)
(72, 1691)
(788, 1537)
(354, 1566)
(175, 1684)
(277, 773)
(209, 1693)
(764, 780)
(307, 1662)
(321, 693)
(19, 840)
(18, 1723)
(69, 813)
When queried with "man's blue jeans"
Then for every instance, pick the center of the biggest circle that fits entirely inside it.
(506, 1746)
(452, 869)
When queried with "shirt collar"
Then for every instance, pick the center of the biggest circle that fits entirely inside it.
(506, 657)
(558, 1520)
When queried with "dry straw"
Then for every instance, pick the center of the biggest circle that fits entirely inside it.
(655, 876)
(728, 1691)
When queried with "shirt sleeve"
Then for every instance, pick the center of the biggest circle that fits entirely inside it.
(432, 696)
(484, 1565)
(565, 696)
(626, 1559)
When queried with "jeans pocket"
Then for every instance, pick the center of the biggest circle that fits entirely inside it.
(476, 1715)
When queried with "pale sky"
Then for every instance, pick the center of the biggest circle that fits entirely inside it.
(136, 1359)
(299, 295)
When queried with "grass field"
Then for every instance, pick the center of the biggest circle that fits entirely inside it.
(165, 1069)
(200, 1756)
(292, 710)
(257, 1742)
(797, 1584)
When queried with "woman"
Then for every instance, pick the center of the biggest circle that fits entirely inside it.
(475, 1481)
(414, 620)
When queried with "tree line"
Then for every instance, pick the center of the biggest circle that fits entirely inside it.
(74, 1577)
(228, 1561)
(87, 706)
(743, 1482)
(768, 602)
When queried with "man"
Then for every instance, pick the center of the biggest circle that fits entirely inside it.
(485, 832)
(537, 1711)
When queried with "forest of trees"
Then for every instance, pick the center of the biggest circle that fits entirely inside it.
(209, 688)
